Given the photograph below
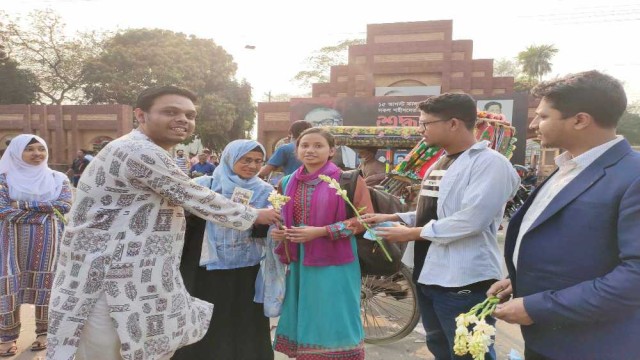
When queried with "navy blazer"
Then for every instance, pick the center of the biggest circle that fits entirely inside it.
(579, 263)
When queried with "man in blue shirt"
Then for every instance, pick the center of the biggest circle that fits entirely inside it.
(202, 167)
(285, 155)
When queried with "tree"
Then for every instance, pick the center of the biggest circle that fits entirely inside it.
(524, 83)
(19, 86)
(319, 64)
(511, 67)
(139, 58)
(507, 67)
(536, 60)
(284, 97)
(629, 126)
(634, 107)
(55, 59)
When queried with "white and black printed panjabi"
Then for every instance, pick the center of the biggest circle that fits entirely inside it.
(125, 239)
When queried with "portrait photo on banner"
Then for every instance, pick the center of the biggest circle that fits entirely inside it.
(497, 106)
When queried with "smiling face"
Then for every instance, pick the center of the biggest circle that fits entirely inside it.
(314, 150)
(34, 154)
(249, 165)
(170, 120)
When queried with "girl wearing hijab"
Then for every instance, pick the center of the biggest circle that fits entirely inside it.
(30, 195)
(229, 263)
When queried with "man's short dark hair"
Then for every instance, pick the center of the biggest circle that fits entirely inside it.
(148, 96)
(592, 92)
(297, 127)
(449, 105)
(490, 104)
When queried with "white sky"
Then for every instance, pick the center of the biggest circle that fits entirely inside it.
(589, 34)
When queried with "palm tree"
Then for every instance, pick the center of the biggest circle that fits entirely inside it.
(536, 60)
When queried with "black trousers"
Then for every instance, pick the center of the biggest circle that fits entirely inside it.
(532, 355)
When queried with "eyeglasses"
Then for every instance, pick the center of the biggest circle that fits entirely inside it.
(249, 161)
(423, 124)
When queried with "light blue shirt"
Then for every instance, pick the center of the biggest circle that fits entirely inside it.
(285, 157)
(471, 202)
(226, 248)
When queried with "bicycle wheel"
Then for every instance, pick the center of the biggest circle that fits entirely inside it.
(388, 307)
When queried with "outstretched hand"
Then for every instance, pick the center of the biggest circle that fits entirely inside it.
(268, 217)
(398, 233)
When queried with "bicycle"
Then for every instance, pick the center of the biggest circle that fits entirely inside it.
(388, 307)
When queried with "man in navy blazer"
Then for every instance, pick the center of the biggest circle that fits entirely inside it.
(573, 249)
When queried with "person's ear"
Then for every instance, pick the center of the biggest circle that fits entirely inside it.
(140, 115)
(582, 120)
(455, 124)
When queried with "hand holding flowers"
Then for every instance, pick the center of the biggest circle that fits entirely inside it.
(477, 341)
(278, 200)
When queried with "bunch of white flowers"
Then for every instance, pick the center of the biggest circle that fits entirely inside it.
(277, 200)
(478, 341)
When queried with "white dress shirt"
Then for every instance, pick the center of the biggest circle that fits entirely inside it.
(471, 201)
(568, 169)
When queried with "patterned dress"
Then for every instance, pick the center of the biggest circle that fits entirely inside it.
(320, 317)
(29, 238)
(125, 239)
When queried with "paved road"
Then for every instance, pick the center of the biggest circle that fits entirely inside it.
(413, 346)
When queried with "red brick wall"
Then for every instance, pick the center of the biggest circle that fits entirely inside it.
(65, 128)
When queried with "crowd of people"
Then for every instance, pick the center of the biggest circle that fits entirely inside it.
(160, 256)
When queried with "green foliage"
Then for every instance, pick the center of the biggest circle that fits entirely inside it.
(535, 60)
(506, 67)
(19, 86)
(319, 64)
(629, 127)
(139, 58)
(524, 83)
(56, 60)
(225, 117)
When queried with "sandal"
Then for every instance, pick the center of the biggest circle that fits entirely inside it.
(39, 345)
(10, 351)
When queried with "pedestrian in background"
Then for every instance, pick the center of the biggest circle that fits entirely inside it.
(30, 232)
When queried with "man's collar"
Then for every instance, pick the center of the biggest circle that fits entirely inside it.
(480, 145)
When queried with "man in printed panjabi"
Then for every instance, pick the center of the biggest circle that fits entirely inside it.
(118, 292)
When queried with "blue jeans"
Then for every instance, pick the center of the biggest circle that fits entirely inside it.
(438, 309)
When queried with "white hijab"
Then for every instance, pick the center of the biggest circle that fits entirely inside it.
(29, 182)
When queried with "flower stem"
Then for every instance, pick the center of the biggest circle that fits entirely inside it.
(367, 227)
(59, 215)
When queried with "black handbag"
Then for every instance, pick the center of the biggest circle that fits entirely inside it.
(371, 257)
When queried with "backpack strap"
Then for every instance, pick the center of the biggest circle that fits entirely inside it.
(348, 181)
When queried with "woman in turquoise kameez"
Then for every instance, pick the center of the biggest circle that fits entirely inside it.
(321, 312)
